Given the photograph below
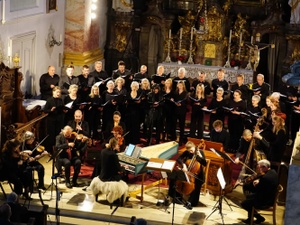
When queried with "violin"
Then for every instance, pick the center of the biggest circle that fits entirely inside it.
(253, 177)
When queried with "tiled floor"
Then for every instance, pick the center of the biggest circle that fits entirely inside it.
(76, 206)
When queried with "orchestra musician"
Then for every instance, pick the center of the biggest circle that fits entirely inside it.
(179, 175)
(108, 168)
(65, 142)
(262, 190)
(219, 134)
(55, 119)
(37, 152)
(118, 133)
(82, 130)
(14, 168)
(116, 121)
(244, 144)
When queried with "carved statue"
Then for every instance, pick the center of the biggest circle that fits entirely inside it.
(295, 11)
(255, 54)
(240, 26)
(16, 60)
(214, 25)
(186, 22)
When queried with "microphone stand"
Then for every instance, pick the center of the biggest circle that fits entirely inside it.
(53, 175)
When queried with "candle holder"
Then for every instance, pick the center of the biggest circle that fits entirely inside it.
(190, 59)
(179, 51)
(168, 58)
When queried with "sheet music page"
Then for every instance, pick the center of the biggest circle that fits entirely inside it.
(168, 165)
(221, 178)
(69, 105)
(154, 164)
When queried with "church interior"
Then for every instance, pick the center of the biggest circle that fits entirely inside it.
(247, 37)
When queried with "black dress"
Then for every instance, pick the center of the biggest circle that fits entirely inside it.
(197, 116)
(108, 107)
(217, 106)
(70, 111)
(180, 113)
(132, 118)
(235, 123)
(93, 115)
(55, 120)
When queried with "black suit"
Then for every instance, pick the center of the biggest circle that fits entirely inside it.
(263, 194)
(63, 157)
(45, 81)
(65, 82)
(109, 166)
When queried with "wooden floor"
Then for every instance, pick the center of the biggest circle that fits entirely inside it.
(79, 207)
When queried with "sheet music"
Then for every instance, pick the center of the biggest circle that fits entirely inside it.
(69, 105)
(221, 178)
(168, 165)
(154, 164)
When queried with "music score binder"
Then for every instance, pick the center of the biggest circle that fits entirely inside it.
(159, 164)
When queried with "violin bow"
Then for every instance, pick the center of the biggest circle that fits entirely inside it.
(40, 143)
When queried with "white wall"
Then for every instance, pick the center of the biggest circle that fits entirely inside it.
(22, 22)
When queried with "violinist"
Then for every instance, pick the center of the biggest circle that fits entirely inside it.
(15, 169)
(81, 131)
(243, 146)
(116, 121)
(262, 191)
(38, 151)
(118, 133)
(179, 175)
(66, 143)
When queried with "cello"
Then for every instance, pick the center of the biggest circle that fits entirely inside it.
(191, 169)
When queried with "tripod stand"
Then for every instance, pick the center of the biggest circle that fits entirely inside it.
(53, 175)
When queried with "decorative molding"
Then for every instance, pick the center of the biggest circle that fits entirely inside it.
(85, 58)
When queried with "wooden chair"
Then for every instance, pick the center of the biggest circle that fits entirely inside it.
(271, 209)
(206, 169)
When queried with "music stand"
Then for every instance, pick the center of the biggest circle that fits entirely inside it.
(53, 175)
(220, 176)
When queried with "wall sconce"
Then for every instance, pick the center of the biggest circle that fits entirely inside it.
(93, 9)
(53, 41)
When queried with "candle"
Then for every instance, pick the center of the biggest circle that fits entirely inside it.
(9, 51)
(3, 12)
(192, 30)
(170, 34)
(230, 33)
(60, 38)
(251, 42)
(180, 36)
(241, 37)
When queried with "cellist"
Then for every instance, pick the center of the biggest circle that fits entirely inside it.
(179, 175)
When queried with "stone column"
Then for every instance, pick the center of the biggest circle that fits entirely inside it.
(82, 34)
